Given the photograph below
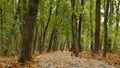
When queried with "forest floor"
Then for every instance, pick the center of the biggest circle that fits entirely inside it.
(64, 59)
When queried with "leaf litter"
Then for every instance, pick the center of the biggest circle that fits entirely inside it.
(63, 59)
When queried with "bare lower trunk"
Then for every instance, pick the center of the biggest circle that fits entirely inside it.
(75, 47)
(97, 27)
(105, 29)
(28, 31)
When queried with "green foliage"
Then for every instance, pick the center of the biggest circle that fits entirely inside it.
(9, 8)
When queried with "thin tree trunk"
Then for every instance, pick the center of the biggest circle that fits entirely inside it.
(45, 30)
(53, 38)
(1, 21)
(79, 28)
(97, 27)
(35, 39)
(75, 47)
(117, 22)
(51, 42)
(91, 28)
(40, 46)
(110, 24)
(105, 29)
(68, 42)
(118, 19)
(39, 42)
(111, 12)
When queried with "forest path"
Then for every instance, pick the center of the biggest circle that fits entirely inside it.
(65, 60)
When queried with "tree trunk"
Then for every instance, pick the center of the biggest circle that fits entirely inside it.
(48, 21)
(117, 23)
(110, 24)
(28, 31)
(75, 47)
(35, 39)
(118, 17)
(79, 28)
(51, 42)
(91, 28)
(111, 12)
(1, 21)
(68, 42)
(53, 38)
(97, 27)
(105, 29)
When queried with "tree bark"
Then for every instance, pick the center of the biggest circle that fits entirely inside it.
(110, 24)
(117, 23)
(105, 29)
(75, 47)
(1, 24)
(35, 39)
(97, 27)
(28, 31)
(48, 21)
(91, 28)
(51, 42)
(53, 39)
(79, 28)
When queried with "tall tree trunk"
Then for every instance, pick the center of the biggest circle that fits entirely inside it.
(40, 46)
(56, 25)
(79, 28)
(68, 42)
(35, 39)
(53, 39)
(105, 29)
(51, 42)
(97, 27)
(48, 21)
(117, 23)
(1, 24)
(110, 23)
(91, 28)
(111, 12)
(75, 47)
(118, 17)
(28, 31)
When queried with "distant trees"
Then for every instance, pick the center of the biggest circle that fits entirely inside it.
(74, 25)
(54, 36)
(48, 22)
(117, 19)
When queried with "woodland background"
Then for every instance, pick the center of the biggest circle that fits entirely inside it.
(30, 26)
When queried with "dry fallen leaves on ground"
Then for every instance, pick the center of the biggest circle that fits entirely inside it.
(11, 61)
(112, 58)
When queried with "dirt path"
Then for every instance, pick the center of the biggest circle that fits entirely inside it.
(65, 60)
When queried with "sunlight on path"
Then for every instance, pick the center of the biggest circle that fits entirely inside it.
(65, 60)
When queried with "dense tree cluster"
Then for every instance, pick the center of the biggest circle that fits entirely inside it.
(27, 26)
